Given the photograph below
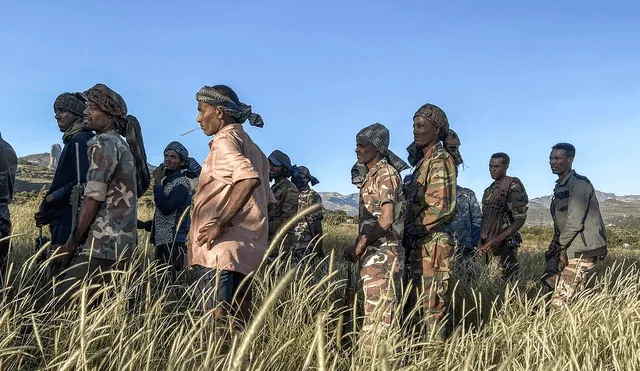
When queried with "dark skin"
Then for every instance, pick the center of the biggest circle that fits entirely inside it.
(101, 122)
(212, 119)
(425, 133)
(172, 162)
(561, 164)
(275, 172)
(498, 170)
(367, 154)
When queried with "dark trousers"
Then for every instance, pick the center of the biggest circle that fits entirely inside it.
(60, 233)
(505, 256)
(215, 290)
(4, 248)
(172, 255)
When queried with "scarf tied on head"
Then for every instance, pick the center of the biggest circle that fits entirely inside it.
(301, 176)
(73, 103)
(378, 135)
(279, 158)
(127, 126)
(239, 111)
(191, 166)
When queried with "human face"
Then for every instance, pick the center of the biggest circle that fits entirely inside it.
(96, 119)
(365, 151)
(275, 172)
(172, 160)
(560, 163)
(425, 132)
(65, 119)
(497, 168)
(209, 118)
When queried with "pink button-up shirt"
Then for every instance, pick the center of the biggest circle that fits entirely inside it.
(233, 157)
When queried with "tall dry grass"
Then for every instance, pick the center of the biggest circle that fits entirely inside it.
(145, 322)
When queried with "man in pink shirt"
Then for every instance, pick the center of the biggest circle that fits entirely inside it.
(230, 227)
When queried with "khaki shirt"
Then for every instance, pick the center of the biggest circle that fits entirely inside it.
(233, 157)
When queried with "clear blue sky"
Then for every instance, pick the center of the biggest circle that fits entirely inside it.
(511, 77)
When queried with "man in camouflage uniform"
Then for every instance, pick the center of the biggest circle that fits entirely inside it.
(381, 219)
(431, 207)
(504, 212)
(468, 221)
(309, 230)
(8, 167)
(579, 240)
(286, 198)
(114, 182)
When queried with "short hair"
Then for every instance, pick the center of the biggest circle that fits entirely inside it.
(568, 147)
(505, 157)
(227, 92)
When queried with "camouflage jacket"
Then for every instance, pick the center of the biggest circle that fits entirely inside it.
(515, 208)
(382, 186)
(465, 228)
(304, 229)
(285, 206)
(8, 168)
(431, 194)
(112, 181)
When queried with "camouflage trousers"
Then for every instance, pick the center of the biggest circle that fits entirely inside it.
(431, 263)
(572, 280)
(381, 274)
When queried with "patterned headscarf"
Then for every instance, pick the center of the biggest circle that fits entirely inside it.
(239, 111)
(378, 135)
(451, 145)
(358, 174)
(437, 116)
(191, 166)
(279, 158)
(128, 126)
(76, 105)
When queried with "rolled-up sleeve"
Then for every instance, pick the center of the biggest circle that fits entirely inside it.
(230, 164)
(103, 157)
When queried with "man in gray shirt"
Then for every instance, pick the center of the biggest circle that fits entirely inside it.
(579, 236)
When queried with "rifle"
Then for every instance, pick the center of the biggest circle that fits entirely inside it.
(349, 307)
(556, 258)
(76, 197)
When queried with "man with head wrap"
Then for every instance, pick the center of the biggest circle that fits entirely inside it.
(117, 176)
(285, 193)
(308, 231)
(504, 212)
(468, 221)
(8, 167)
(381, 219)
(229, 231)
(358, 174)
(56, 208)
(431, 207)
(172, 197)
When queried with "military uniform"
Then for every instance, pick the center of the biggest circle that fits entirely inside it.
(8, 167)
(284, 208)
(304, 230)
(431, 207)
(514, 208)
(382, 262)
(468, 222)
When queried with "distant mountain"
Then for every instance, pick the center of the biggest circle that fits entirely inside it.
(336, 201)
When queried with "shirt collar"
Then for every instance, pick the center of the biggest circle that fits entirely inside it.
(562, 182)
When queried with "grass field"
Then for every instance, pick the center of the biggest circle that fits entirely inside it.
(145, 323)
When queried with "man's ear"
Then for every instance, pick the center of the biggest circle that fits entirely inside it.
(570, 160)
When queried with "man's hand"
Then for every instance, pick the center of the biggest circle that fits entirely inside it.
(488, 247)
(158, 175)
(353, 253)
(209, 233)
(65, 254)
(40, 218)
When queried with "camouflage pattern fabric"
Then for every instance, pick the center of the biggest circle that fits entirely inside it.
(284, 208)
(515, 208)
(465, 228)
(304, 231)
(382, 262)
(572, 281)
(112, 181)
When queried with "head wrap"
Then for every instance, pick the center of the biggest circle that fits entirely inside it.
(301, 176)
(76, 105)
(279, 158)
(191, 167)
(239, 111)
(358, 174)
(436, 115)
(128, 126)
(452, 145)
(378, 135)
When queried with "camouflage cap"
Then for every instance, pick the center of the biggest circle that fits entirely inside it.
(437, 116)
(70, 102)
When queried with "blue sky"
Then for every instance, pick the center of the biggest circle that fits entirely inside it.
(511, 77)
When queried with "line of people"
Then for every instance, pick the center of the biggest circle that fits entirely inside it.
(412, 226)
